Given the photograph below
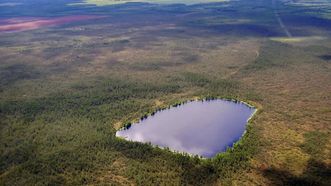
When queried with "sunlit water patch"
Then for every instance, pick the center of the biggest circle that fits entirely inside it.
(202, 128)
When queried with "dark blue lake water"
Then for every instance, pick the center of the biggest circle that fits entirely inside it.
(202, 128)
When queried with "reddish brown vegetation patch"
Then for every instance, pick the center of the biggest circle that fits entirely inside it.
(30, 23)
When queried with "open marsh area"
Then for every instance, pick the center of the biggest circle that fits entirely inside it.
(73, 72)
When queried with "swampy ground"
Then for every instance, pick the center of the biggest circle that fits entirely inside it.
(73, 72)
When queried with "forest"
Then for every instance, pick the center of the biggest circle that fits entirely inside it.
(65, 90)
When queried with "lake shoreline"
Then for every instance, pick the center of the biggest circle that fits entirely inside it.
(177, 104)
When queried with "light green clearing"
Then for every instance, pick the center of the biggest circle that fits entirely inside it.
(296, 39)
(310, 3)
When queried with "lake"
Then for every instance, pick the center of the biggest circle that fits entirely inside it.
(203, 128)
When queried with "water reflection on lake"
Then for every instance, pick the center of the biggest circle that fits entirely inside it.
(202, 128)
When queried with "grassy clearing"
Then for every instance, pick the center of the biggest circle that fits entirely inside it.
(298, 39)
